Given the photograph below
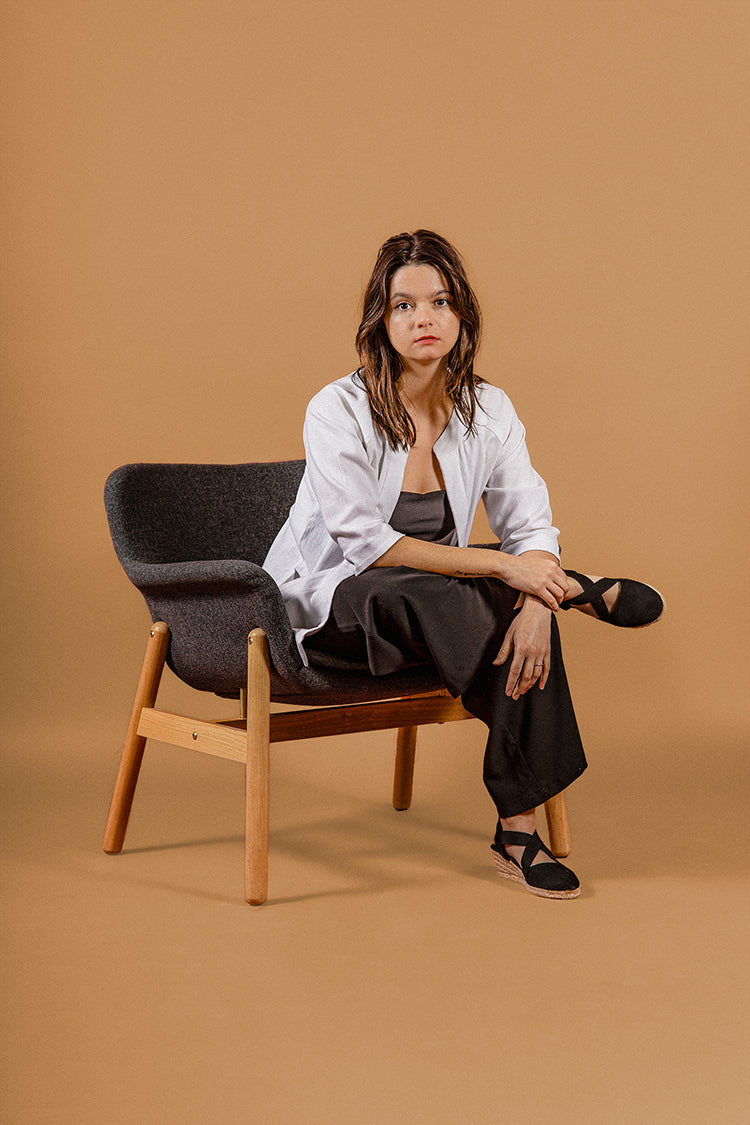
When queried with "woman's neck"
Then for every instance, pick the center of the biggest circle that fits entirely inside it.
(423, 389)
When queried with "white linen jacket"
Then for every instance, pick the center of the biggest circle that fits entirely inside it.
(338, 525)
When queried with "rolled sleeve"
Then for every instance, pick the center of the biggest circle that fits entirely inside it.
(516, 499)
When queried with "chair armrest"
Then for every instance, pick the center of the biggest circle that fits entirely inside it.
(210, 606)
(201, 576)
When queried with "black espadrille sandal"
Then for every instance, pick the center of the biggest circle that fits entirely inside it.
(550, 880)
(637, 606)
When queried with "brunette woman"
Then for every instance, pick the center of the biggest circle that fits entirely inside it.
(374, 562)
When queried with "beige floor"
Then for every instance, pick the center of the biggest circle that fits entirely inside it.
(392, 977)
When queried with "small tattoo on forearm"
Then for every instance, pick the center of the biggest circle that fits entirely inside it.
(471, 574)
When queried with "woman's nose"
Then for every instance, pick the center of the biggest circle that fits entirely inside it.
(424, 315)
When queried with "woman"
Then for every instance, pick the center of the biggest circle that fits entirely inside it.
(374, 563)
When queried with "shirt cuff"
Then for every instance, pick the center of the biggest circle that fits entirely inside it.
(538, 541)
(370, 548)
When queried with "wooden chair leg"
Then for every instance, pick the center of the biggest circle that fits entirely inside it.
(257, 768)
(557, 825)
(132, 754)
(403, 777)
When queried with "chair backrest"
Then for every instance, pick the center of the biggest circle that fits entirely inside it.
(161, 513)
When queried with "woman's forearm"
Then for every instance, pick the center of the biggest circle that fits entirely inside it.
(533, 572)
(459, 562)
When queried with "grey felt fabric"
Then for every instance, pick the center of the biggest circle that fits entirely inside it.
(191, 538)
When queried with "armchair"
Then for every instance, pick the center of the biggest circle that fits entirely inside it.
(191, 538)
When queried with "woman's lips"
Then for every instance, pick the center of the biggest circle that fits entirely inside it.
(426, 339)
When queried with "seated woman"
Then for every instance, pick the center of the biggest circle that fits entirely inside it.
(374, 563)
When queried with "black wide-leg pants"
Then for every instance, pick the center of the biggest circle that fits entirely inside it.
(391, 618)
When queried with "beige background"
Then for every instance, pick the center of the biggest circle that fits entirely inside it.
(194, 193)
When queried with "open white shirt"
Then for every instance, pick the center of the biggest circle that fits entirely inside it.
(338, 525)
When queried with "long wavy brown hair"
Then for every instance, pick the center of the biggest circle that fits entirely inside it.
(381, 367)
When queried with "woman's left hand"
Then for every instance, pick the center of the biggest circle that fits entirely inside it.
(528, 638)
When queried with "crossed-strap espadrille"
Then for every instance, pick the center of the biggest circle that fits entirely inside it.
(550, 880)
(638, 605)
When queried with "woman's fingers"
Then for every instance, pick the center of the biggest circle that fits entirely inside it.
(553, 594)
(523, 674)
(528, 638)
(514, 677)
(547, 591)
(541, 577)
(558, 587)
(505, 649)
(548, 598)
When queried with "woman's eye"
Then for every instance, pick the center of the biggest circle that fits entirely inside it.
(441, 302)
(402, 305)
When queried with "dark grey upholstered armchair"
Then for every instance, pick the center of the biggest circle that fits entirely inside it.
(192, 539)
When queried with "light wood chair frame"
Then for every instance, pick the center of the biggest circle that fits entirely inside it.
(247, 739)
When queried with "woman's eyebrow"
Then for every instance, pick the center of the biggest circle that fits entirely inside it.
(435, 293)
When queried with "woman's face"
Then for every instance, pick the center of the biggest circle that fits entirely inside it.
(420, 321)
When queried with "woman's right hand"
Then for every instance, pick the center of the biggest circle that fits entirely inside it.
(538, 573)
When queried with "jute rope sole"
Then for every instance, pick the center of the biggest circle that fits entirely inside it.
(511, 871)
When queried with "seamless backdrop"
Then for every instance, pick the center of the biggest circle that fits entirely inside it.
(193, 194)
